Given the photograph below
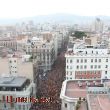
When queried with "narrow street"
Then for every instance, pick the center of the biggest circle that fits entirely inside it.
(51, 86)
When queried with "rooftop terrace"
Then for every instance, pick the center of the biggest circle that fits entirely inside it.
(76, 89)
(99, 102)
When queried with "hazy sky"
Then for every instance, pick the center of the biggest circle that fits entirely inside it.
(25, 8)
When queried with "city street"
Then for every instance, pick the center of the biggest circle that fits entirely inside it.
(51, 85)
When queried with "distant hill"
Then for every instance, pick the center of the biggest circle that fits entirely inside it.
(56, 18)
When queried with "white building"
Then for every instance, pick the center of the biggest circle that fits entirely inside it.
(85, 61)
(13, 65)
(16, 88)
(44, 49)
(91, 92)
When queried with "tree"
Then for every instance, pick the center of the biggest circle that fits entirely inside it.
(77, 106)
(84, 99)
(80, 98)
(79, 34)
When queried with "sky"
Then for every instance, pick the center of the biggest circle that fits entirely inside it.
(29, 8)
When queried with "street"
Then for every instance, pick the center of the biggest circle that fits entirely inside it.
(50, 87)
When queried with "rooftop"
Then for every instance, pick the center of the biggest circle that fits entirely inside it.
(12, 81)
(75, 89)
(99, 102)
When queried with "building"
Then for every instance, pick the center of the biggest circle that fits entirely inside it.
(91, 94)
(21, 41)
(13, 68)
(91, 40)
(44, 49)
(85, 61)
(9, 43)
(98, 26)
(17, 67)
(13, 89)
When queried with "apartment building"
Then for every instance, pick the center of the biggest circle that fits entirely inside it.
(85, 61)
(44, 49)
(13, 90)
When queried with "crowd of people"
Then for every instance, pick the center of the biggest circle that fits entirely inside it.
(51, 86)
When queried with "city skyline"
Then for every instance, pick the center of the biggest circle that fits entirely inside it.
(23, 8)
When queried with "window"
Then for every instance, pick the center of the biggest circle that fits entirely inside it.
(10, 61)
(70, 61)
(85, 60)
(91, 60)
(67, 72)
(106, 60)
(70, 73)
(77, 67)
(99, 66)
(106, 66)
(95, 60)
(67, 67)
(105, 77)
(105, 72)
(15, 61)
(91, 66)
(77, 60)
(99, 60)
(81, 60)
(85, 67)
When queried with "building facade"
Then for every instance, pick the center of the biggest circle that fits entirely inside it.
(87, 62)
(12, 89)
(9, 43)
(43, 49)
(92, 94)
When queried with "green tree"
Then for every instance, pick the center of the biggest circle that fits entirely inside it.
(79, 34)
(77, 106)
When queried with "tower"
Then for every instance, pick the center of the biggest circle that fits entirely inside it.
(98, 25)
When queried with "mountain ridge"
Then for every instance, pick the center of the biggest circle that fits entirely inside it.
(55, 18)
